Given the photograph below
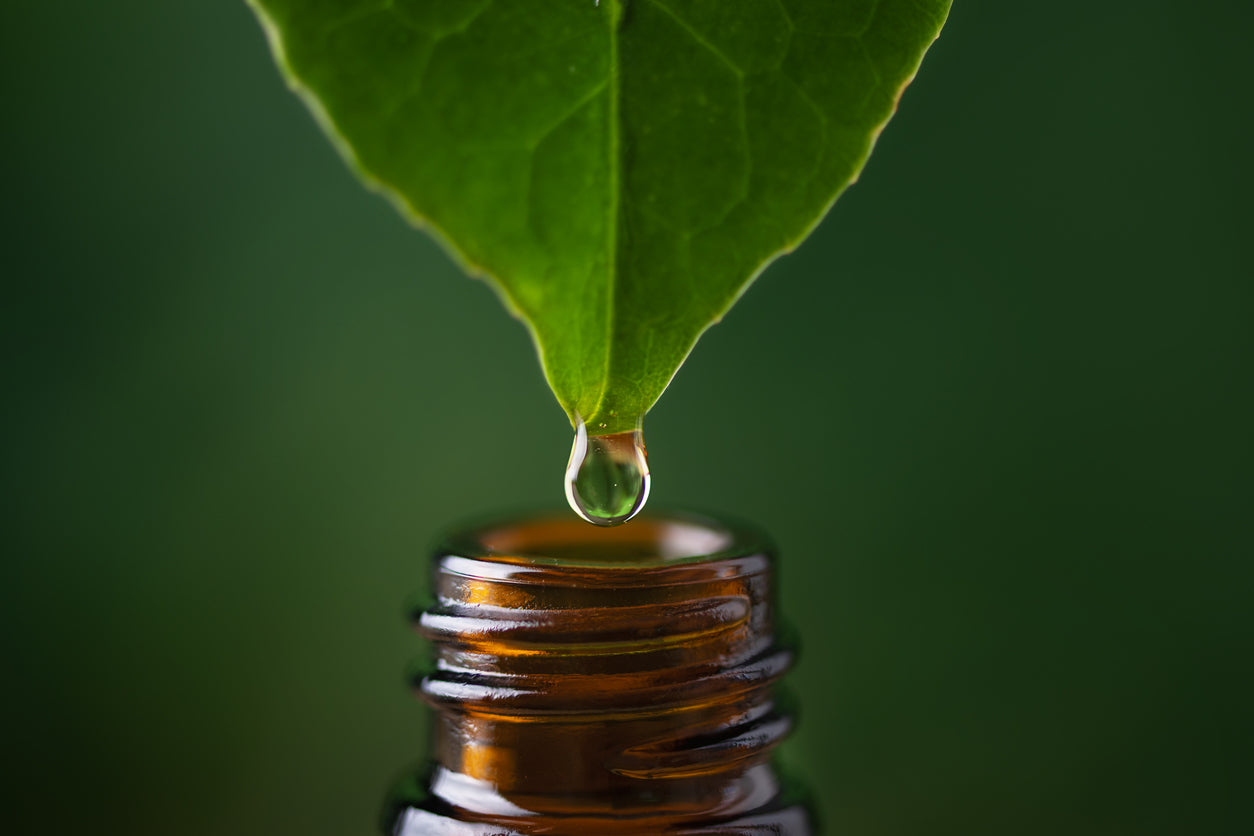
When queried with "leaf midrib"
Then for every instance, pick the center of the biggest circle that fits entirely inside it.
(614, 160)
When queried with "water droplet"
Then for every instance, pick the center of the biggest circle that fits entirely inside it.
(607, 479)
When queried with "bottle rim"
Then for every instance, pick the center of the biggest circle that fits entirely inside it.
(555, 540)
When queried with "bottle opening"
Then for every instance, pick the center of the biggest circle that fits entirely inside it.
(647, 541)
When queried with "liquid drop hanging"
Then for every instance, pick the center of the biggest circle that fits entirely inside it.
(607, 478)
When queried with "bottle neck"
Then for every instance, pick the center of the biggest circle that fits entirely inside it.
(596, 676)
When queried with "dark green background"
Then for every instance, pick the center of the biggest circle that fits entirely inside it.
(997, 413)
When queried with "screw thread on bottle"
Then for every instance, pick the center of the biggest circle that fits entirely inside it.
(603, 681)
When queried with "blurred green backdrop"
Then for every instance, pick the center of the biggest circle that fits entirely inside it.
(997, 413)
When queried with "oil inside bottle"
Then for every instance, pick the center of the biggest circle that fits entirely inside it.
(607, 478)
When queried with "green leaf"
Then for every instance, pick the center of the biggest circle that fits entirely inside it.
(619, 171)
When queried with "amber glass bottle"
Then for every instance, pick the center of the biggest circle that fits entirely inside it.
(602, 681)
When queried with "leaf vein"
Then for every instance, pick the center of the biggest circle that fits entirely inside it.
(699, 38)
(355, 16)
(792, 27)
(583, 101)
